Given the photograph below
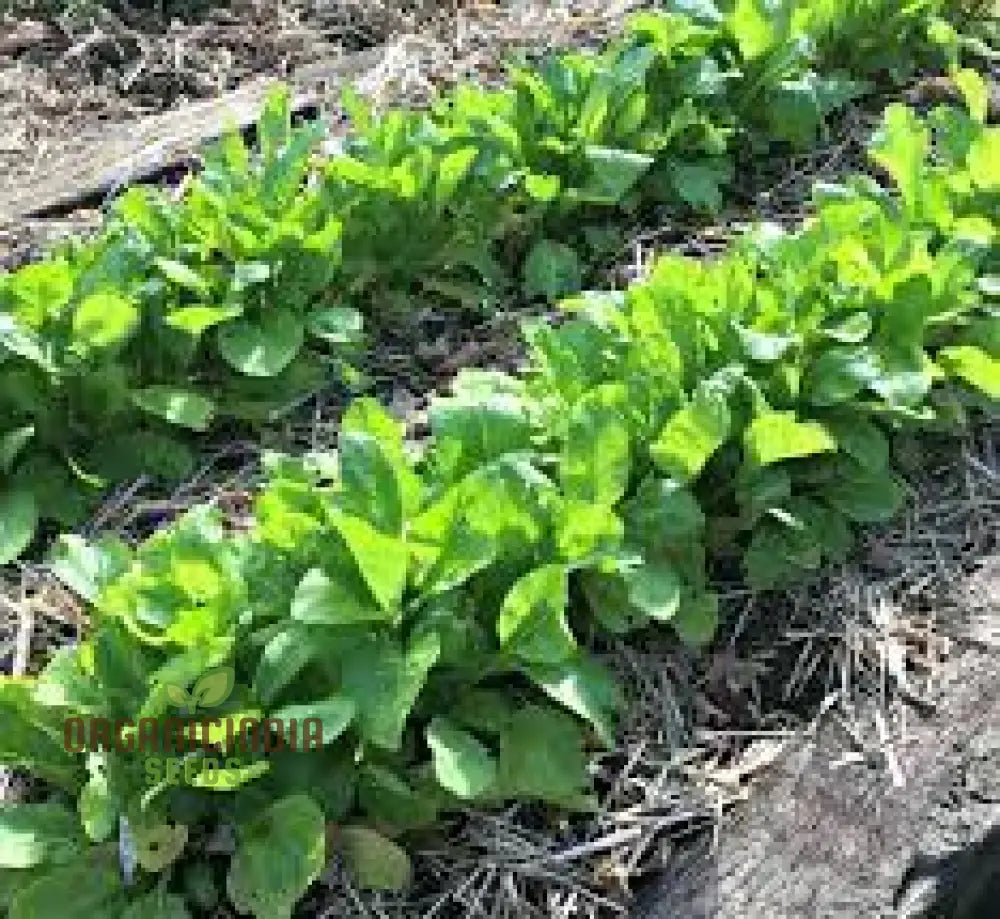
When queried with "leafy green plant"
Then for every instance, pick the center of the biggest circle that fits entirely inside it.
(430, 611)
(246, 295)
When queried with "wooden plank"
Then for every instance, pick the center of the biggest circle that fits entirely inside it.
(847, 841)
(121, 154)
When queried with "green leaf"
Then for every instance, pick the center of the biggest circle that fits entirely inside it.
(862, 440)
(974, 366)
(196, 320)
(384, 682)
(779, 436)
(551, 270)
(901, 147)
(323, 600)
(375, 863)
(697, 620)
(691, 436)
(613, 172)
(337, 325)
(11, 445)
(865, 497)
(284, 656)
(584, 687)
(86, 567)
(532, 623)
(263, 348)
(103, 319)
(18, 521)
(178, 406)
(984, 160)
(183, 276)
(700, 185)
(541, 757)
(382, 560)
(98, 810)
(751, 26)
(92, 879)
(36, 834)
(584, 530)
(157, 904)
(335, 715)
(655, 588)
(595, 463)
(975, 92)
(664, 513)
(279, 854)
(452, 170)
(461, 763)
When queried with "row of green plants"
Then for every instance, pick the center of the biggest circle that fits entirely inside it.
(435, 608)
(249, 292)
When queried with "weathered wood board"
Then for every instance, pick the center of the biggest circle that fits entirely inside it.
(122, 154)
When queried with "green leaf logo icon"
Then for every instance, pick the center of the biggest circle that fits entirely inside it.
(179, 696)
(214, 687)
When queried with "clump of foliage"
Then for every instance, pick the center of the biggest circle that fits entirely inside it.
(430, 608)
(247, 295)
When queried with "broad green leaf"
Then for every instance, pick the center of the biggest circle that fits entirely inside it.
(614, 172)
(265, 347)
(103, 319)
(663, 513)
(697, 619)
(86, 887)
(541, 757)
(700, 185)
(183, 276)
(984, 160)
(865, 497)
(157, 904)
(160, 845)
(85, 567)
(973, 365)
(585, 688)
(374, 478)
(532, 623)
(335, 715)
(595, 463)
(551, 270)
(461, 763)
(278, 855)
(779, 436)
(382, 560)
(452, 170)
(901, 147)
(862, 440)
(284, 656)
(975, 92)
(178, 406)
(375, 862)
(196, 320)
(321, 599)
(11, 444)
(655, 588)
(36, 834)
(98, 809)
(18, 521)
(751, 25)
(691, 436)
(584, 530)
(337, 325)
(384, 682)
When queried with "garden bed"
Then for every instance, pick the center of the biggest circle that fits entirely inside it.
(703, 728)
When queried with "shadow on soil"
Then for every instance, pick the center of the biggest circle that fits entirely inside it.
(964, 884)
